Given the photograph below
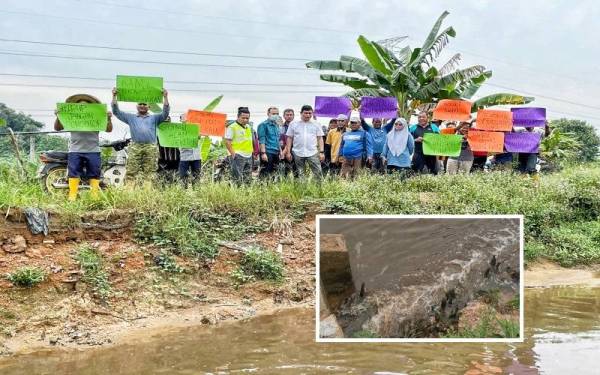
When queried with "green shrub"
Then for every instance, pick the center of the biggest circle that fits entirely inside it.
(262, 264)
(26, 276)
(94, 274)
(167, 263)
(575, 243)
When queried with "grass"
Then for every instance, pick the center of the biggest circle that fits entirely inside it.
(94, 274)
(561, 211)
(488, 326)
(259, 264)
(26, 276)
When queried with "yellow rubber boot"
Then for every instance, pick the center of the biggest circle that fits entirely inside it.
(94, 188)
(73, 188)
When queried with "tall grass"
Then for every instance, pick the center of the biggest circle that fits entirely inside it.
(190, 221)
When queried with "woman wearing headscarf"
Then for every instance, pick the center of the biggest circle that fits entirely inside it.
(399, 145)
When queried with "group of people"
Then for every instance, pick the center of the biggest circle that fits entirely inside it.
(282, 146)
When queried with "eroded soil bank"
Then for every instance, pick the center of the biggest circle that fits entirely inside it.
(64, 310)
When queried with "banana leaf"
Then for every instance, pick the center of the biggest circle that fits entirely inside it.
(499, 99)
(213, 104)
(373, 57)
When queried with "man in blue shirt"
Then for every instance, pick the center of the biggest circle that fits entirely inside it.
(420, 160)
(356, 143)
(268, 139)
(378, 134)
(142, 154)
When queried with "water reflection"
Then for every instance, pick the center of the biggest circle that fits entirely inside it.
(562, 337)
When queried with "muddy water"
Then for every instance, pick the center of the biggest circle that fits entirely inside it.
(562, 337)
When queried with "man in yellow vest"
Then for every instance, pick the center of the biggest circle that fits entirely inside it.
(238, 140)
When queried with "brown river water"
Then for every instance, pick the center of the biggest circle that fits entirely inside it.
(562, 337)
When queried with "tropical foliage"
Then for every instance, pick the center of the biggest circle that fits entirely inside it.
(584, 133)
(411, 75)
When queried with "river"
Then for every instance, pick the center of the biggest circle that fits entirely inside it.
(562, 327)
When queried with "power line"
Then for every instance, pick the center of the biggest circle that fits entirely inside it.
(156, 27)
(268, 68)
(154, 50)
(165, 11)
(173, 90)
(288, 84)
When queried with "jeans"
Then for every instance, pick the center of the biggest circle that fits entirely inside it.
(186, 165)
(527, 163)
(241, 169)
(313, 162)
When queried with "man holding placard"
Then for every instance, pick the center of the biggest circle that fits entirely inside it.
(239, 143)
(378, 133)
(83, 158)
(143, 151)
(463, 162)
(420, 160)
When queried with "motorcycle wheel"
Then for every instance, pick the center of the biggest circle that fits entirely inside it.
(56, 176)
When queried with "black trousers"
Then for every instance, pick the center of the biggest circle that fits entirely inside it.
(419, 161)
(269, 167)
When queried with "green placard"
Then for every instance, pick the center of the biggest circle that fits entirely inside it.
(140, 89)
(442, 144)
(178, 135)
(82, 117)
(2, 122)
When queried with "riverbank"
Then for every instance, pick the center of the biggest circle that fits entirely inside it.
(543, 274)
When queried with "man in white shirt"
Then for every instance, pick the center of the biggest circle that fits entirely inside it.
(307, 139)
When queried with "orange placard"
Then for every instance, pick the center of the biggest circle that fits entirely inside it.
(211, 123)
(486, 141)
(449, 109)
(448, 131)
(488, 119)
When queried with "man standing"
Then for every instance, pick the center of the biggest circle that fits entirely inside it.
(528, 161)
(378, 134)
(307, 139)
(238, 140)
(334, 140)
(356, 143)
(268, 138)
(418, 130)
(288, 118)
(142, 152)
(84, 152)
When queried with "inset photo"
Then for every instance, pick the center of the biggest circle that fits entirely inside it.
(419, 278)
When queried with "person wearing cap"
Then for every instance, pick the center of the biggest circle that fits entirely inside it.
(356, 143)
(378, 133)
(418, 130)
(399, 145)
(306, 136)
(142, 155)
(463, 162)
(239, 141)
(334, 140)
(83, 158)
(268, 139)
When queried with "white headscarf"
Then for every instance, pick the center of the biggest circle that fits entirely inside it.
(397, 139)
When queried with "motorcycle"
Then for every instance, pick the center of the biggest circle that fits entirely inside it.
(52, 173)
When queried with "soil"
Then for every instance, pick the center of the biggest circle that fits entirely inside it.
(544, 273)
(61, 312)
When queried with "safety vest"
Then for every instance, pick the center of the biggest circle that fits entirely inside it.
(242, 138)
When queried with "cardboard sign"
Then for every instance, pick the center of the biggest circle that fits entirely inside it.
(211, 123)
(448, 109)
(177, 135)
(442, 144)
(526, 142)
(384, 107)
(332, 106)
(82, 117)
(448, 131)
(529, 116)
(488, 119)
(486, 141)
(140, 89)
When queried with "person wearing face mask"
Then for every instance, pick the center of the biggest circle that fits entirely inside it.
(288, 118)
(399, 145)
(268, 138)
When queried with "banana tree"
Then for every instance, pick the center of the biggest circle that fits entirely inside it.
(410, 75)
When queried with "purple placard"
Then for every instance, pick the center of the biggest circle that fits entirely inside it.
(529, 116)
(527, 142)
(383, 107)
(332, 106)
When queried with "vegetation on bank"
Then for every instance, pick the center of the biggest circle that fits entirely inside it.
(561, 210)
(26, 276)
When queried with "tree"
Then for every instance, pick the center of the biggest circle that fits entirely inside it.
(410, 76)
(559, 147)
(584, 134)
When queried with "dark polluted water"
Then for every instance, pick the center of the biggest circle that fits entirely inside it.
(562, 337)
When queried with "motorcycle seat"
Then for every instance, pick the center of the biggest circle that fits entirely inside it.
(57, 155)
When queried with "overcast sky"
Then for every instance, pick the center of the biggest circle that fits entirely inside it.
(537, 48)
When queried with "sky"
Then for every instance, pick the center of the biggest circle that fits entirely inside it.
(253, 52)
